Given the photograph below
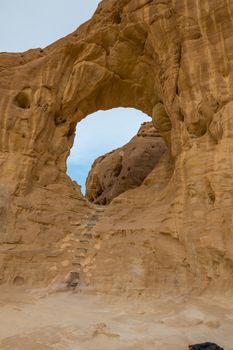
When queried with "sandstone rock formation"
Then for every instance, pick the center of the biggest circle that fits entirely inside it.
(126, 167)
(170, 59)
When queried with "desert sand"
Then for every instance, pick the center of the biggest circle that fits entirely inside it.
(44, 319)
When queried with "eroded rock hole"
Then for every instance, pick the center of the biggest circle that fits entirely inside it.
(114, 151)
(59, 119)
(18, 281)
(22, 100)
(117, 18)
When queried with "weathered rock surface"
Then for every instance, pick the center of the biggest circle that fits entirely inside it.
(126, 167)
(174, 61)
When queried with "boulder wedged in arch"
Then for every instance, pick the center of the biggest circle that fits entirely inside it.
(170, 59)
(125, 168)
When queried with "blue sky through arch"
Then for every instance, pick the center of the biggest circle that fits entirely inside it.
(99, 133)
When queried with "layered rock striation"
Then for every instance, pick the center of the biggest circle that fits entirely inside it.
(170, 59)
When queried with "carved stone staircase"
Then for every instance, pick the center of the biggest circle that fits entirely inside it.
(83, 248)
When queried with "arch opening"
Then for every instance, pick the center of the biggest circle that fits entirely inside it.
(98, 134)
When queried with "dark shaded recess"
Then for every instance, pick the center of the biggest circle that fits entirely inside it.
(22, 100)
(59, 119)
(205, 346)
(117, 18)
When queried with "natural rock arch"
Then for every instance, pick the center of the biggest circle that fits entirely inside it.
(57, 87)
(142, 54)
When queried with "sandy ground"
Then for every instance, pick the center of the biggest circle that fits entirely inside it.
(38, 320)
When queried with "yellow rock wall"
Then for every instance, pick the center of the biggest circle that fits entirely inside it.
(172, 59)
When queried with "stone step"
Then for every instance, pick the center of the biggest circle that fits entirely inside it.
(77, 264)
(83, 246)
(84, 241)
(82, 249)
(90, 224)
(81, 256)
(100, 208)
(88, 235)
(94, 219)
